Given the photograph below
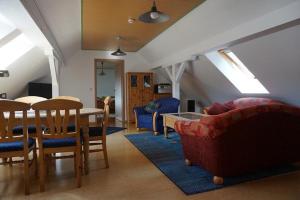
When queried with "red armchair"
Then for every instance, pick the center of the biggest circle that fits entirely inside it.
(243, 139)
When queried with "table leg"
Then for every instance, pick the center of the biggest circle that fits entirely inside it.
(166, 131)
(86, 148)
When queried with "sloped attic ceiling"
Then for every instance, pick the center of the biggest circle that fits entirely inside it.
(19, 54)
(207, 27)
(64, 19)
(274, 59)
(30, 67)
(243, 26)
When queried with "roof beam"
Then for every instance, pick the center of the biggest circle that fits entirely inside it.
(35, 13)
(9, 37)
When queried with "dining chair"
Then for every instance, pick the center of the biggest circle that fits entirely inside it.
(12, 145)
(97, 134)
(29, 100)
(56, 138)
(68, 98)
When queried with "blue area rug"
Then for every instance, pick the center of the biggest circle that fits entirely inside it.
(167, 155)
(113, 129)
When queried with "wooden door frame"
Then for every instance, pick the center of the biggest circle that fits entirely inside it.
(119, 63)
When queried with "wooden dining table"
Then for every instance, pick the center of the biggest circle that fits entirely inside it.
(85, 114)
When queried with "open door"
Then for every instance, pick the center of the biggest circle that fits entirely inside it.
(109, 81)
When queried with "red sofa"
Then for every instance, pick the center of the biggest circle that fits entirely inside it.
(248, 137)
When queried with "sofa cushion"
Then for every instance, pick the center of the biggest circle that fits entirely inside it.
(217, 108)
(252, 101)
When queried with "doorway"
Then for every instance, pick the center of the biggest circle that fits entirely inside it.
(109, 81)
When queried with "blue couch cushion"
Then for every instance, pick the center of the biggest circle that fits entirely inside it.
(15, 146)
(64, 142)
(145, 118)
(18, 130)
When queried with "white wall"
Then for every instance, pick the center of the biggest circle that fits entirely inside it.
(274, 59)
(29, 67)
(106, 83)
(77, 77)
(119, 94)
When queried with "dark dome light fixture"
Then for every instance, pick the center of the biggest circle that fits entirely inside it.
(154, 16)
(119, 52)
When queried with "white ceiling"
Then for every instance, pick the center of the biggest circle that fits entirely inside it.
(29, 66)
(209, 26)
(213, 24)
(63, 17)
(209, 19)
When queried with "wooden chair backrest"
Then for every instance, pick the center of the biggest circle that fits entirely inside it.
(58, 118)
(8, 120)
(68, 98)
(30, 99)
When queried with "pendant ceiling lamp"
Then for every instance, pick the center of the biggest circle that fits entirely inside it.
(102, 73)
(154, 16)
(119, 52)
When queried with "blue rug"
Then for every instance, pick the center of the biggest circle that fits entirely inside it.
(113, 129)
(167, 155)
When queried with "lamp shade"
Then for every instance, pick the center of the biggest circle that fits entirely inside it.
(119, 52)
(154, 16)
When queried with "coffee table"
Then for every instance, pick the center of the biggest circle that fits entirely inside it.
(171, 118)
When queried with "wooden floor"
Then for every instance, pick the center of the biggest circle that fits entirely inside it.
(132, 176)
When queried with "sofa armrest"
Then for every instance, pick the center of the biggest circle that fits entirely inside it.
(166, 109)
(139, 110)
(192, 128)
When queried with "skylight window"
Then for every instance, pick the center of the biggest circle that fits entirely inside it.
(13, 50)
(236, 72)
(5, 27)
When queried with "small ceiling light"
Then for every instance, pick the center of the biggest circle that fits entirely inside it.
(119, 52)
(102, 73)
(154, 16)
(131, 20)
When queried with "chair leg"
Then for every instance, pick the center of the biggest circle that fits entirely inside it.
(35, 161)
(47, 162)
(75, 164)
(26, 174)
(10, 160)
(105, 154)
(78, 167)
(42, 172)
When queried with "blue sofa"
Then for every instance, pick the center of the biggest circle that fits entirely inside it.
(152, 119)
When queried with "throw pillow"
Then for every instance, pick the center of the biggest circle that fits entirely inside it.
(151, 107)
(217, 108)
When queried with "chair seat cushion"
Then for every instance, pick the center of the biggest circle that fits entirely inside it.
(95, 131)
(15, 146)
(18, 130)
(64, 142)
